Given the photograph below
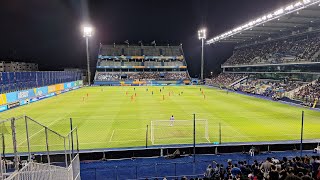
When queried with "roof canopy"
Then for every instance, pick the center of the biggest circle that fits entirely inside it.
(301, 14)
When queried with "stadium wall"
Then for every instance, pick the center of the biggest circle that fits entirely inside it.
(19, 98)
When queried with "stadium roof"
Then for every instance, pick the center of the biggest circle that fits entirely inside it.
(303, 13)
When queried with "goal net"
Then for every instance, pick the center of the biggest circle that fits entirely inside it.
(178, 132)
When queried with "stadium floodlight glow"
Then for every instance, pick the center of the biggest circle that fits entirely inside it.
(288, 8)
(269, 16)
(298, 4)
(264, 18)
(306, 1)
(87, 32)
(202, 34)
(277, 14)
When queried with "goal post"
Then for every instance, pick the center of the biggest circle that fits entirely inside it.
(178, 132)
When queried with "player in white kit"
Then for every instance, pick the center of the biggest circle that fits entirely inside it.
(171, 120)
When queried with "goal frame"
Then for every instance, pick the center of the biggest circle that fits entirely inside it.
(152, 125)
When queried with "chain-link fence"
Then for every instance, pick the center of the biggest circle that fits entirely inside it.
(251, 128)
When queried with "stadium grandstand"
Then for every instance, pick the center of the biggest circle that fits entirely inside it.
(141, 65)
(16, 81)
(144, 119)
(276, 55)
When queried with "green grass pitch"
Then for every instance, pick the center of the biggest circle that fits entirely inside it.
(109, 118)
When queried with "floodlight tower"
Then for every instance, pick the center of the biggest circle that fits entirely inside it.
(87, 33)
(202, 36)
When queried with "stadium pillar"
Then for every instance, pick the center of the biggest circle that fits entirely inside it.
(28, 141)
(202, 36)
(65, 152)
(220, 133)
(87, 32)
(3, 146)
(77, 140)
(194, 137)
(147, 136)
(88, 61)
(71, 129)
(47, 144)
(301, 139)
(14, 141)
(202, 60)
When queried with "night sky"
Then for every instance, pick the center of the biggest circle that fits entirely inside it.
(48, 32)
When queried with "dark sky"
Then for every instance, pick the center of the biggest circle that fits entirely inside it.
(48, 32)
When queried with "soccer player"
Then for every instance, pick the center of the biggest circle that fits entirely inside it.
(171, 120)
(87, 94)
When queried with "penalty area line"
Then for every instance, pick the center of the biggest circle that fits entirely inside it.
(111, 136)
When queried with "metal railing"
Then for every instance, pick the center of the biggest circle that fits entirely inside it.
(49, 172)
(24, 136)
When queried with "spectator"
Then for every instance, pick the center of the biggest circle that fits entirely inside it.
(266, 167)
(281, 51)
(235, 171)
(209, 172)
(273, 174)
(297, 168)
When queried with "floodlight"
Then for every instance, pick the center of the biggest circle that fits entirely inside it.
(202, 34)
(87, 31)
(278, 12)
(297, 4)
(306, 1)
(288, 8)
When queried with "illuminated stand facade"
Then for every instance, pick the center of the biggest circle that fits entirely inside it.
(141, 65)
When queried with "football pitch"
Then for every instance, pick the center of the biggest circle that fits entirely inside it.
(112, 117)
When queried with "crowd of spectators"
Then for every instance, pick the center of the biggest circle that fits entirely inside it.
(269, 88)
(309, 93)
(266, 87)
(298, 168)
(111, 76)
(281, 51)
(158, 76)
(102, 76)
(224, 80)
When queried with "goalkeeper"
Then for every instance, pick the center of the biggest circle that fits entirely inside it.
(171, 120)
